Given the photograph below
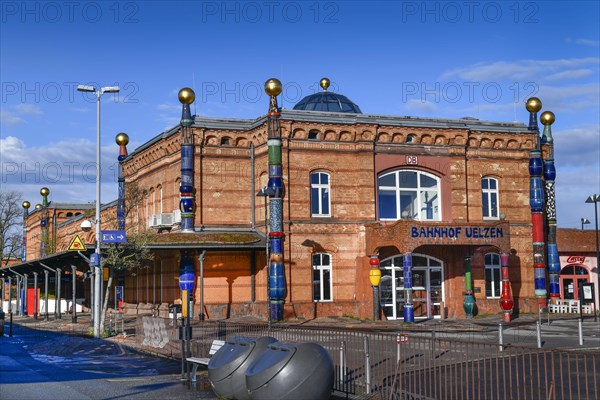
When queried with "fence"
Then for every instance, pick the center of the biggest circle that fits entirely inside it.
(430, 365)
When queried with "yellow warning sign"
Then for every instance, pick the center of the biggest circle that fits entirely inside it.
(77, 244)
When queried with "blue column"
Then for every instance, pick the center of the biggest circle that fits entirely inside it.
(409, 312)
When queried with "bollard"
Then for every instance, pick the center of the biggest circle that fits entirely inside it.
(343, 363)
(432, 344)
(538, 328)
(580, 331)
(500, 338)
(397, 348)
(367, 365)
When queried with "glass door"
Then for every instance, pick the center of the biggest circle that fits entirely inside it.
(428, 281)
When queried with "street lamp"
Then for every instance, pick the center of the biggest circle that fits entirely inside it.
(95, 259)
(595, 198)
(584, 221)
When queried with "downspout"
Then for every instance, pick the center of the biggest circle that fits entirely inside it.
(467, 176)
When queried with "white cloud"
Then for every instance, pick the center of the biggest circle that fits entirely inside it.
(522, 70)
(416, 105)
(10, 118)
(584, 42)
(571, 74)
(28, 109)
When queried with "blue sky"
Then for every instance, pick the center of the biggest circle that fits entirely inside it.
(432, 59)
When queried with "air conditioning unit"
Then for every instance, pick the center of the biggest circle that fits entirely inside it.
(176, 216)
(157, 220)
(166, 219)
(154, 220)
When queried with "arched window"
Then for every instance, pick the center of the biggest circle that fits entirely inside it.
(322, 282)
(489, 198)
(409, 194)
(492, 275)
(320, 190)
(313, 135)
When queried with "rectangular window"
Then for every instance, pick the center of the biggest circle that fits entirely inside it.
(320, 200)
(322, 281)
(492, 275)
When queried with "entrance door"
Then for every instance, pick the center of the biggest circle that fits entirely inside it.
(571, 277)
(428, 278)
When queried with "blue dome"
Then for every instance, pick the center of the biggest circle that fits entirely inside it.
(327, 101)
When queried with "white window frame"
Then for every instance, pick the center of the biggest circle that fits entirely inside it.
(320, 187)
(321, 267)
(492, 268)
(488, 194)
(398, 189)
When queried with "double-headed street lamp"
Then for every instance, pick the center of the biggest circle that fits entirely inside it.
(95, 260)
(595, 198)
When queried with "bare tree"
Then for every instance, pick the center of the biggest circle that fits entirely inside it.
(11, 225)
(131, 255)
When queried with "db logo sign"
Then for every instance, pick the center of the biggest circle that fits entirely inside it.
(576, 259)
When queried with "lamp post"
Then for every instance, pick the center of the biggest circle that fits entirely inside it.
(95, 259)
(26, 206)
(584, 221)
(595, 198)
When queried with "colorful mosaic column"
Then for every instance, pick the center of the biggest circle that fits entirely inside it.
(469, 302)
(186, 188)
(44, 222)
(536, 201)
(375, 279)
(553, 261)
(26, 206)
(409, 312)
(122, 139)
(276, 192)
(506, 301)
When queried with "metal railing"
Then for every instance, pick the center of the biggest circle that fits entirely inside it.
(430, 365)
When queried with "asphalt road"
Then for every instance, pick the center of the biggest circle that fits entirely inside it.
(48, 365)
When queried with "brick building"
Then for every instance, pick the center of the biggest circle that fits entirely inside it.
(357, 186)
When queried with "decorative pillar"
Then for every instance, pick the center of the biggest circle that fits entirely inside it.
(122, 140)
(547, 118)
(375, 278)
(186, 189)
(536, 201)
(506, 301)
(409, 312)
(44, 222)
(26, 206)
(276, 192)
(469, 302)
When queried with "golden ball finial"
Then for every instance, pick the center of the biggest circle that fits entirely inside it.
(324, 83)
(122, 139)
(38, 206)
(26, 204)
(533, 104)
(44, 191)
(273, 87)
(547, 118)
(186, 96)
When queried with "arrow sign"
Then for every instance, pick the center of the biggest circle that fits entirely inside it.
(114, 237)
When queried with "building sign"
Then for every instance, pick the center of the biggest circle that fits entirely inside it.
(576, 260)
(469, 232)
(407, 235)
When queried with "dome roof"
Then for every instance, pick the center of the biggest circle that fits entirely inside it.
(327, 101)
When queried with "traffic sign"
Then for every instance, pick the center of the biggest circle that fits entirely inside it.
(76, 244)
(114, 237)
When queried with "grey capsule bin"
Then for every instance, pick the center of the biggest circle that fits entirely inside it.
(291, 371)
(227, 367)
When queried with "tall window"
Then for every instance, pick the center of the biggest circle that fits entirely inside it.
(409, 194)
(322, 284)
(492, 275)
(320, 200)
(489, 198)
